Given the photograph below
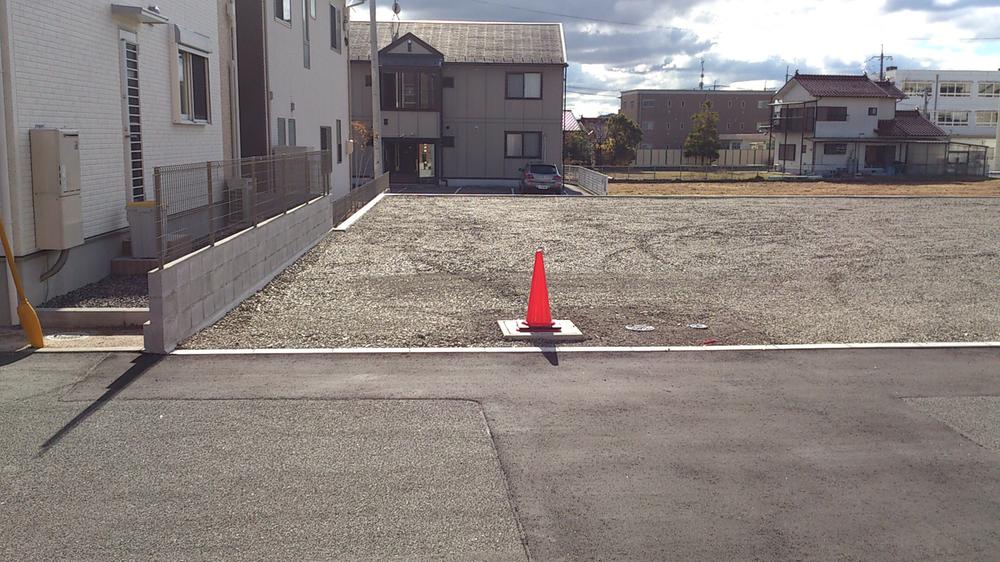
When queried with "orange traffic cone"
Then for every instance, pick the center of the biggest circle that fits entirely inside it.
(539, 315)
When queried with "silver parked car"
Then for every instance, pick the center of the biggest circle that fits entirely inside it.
(540, 178)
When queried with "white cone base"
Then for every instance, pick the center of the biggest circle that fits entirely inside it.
(567, 332)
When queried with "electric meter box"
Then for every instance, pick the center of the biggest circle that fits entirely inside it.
(55, 182)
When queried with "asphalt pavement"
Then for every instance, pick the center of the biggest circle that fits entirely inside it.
(723, 455)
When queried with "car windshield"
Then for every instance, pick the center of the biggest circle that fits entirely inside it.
(543, 169)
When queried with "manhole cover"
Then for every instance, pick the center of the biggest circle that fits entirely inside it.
(65, 337)
(698, 326)
(639, 328)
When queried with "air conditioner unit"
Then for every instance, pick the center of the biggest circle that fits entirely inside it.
(55, 183)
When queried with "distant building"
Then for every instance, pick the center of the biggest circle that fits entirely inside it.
(665, 115)
(850, 124)
(965, 103)
(466, 102)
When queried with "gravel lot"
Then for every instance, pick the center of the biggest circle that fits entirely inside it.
(439, 271)
(114, 291)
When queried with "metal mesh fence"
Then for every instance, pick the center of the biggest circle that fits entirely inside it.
(682, 173)
(198, 204)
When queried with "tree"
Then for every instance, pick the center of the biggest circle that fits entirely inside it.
(703, 140)
(577, 148)
(624, 136)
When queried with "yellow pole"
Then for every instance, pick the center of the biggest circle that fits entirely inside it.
(29, 319)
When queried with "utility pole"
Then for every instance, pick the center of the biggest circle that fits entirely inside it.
(701, 84)
(377, 168)
(881, 64)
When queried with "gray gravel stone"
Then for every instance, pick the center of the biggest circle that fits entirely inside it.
(440, 271)
(114, 291)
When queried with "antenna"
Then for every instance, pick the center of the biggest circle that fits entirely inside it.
(881, 64)
(701, 85)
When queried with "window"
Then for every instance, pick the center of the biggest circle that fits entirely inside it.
(447, 81)
(730, 105)
(192, 81)
(986, 118)
(130, 92)
(325, 141)
(762, 104)
(524, 85)
(336, 30)
(831, 114)
(786, 152)
(410, 91)
(291, 133)
(340, 143)
(281, 131)
(523, 145)
(283, 10)
(872, 111)
(955, 89)
(305, 33)
(953, 118)
(743, 104)
(917, 87)
(647, 125)
(729, 126)
(648, 104)
(312, 8)
(835, 148)
(989, 89)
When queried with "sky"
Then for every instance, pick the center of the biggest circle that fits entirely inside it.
(616, 45)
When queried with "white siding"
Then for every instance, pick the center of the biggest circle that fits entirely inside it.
(66, 73)
(319, 92)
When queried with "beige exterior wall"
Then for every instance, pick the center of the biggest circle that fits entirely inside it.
(477, 114)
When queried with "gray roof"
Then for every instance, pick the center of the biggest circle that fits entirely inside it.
(470, 41)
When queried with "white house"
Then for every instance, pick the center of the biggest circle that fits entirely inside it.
(965, 103)
(826, 124)
(122, 88)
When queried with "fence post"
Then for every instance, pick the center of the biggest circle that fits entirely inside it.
(211, 204)
(161, 227)
(253, 195)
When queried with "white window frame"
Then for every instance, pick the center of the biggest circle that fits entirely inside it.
(283, 14)
(987, 122)
(187, 96)
(947, 118)
(917, 87)
(954, 87)
(988, 89)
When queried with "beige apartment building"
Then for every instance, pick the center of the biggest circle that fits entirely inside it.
(462, 102)
(665, 115)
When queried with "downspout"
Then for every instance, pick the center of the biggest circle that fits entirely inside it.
(6, 117)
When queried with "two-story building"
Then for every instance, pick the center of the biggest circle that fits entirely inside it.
(826, 124)
(466, 103)
(95, 95)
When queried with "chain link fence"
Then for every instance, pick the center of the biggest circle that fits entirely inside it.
(198, 204)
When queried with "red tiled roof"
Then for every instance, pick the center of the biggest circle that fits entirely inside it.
(909, 124)
(891, 89)
(845, 86)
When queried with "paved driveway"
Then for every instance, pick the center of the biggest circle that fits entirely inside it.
(858, 455)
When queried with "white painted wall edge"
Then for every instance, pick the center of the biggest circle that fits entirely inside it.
(575, 349)
(361, 212)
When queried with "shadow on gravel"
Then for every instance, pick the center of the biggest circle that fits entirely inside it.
(142, 364)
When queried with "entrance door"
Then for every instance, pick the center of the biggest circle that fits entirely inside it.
(401, 161)
(410, 161)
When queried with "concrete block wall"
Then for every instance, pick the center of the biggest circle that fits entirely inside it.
(193, 292)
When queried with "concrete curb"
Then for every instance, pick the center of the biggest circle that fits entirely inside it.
(92, 318)
(349, 221)
(536, 349)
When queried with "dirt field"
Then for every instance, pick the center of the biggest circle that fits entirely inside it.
(981, 188)
(421, 271)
